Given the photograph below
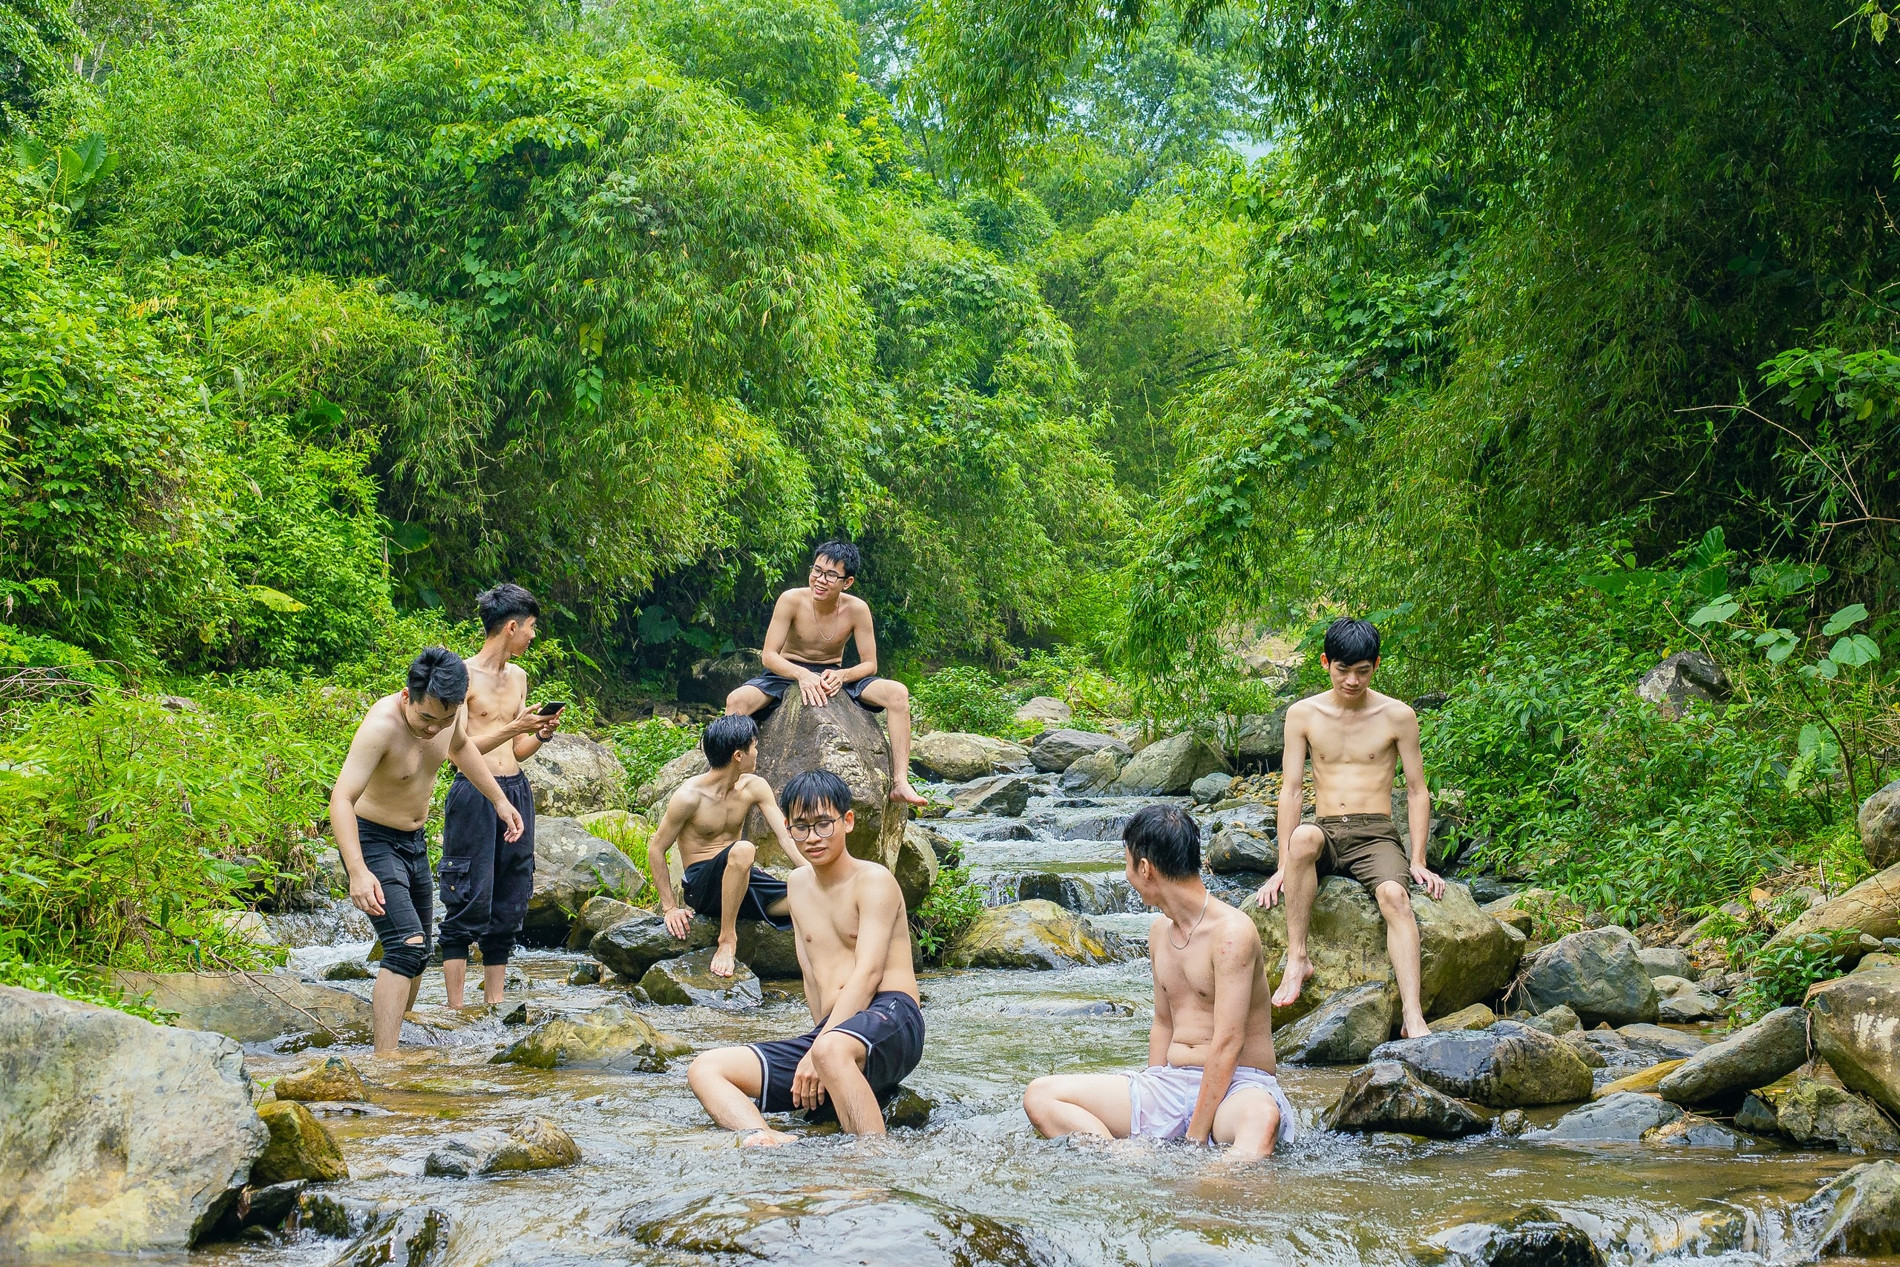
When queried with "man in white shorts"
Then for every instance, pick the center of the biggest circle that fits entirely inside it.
(1210, 1074)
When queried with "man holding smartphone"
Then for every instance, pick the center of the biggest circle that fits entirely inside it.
(486, 878)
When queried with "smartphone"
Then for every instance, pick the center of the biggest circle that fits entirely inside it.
(551, 708)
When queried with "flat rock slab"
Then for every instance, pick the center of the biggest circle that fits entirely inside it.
(1858, 1212)
(255, 1007)
(1384, 1096)
(1344, 1029)
(614, 1038)
(1506, 1066)
(1856, 1023)
(690, 980)
(1752, 1057)
(534, 1144)
(634, 945)
(1623, 1117)
(1033, 935)
(1596, 973)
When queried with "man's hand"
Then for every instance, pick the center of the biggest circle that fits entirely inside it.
(678, 920)
(548, 725)
(811, 687)
(525, 722)
(1270, 891)
(832, 680)
(366, 893)
(1428, 880)
(807, 1091)
(510, 820)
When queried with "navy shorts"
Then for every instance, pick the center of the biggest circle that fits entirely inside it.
(892, 1031)
(775, 687)
(702, 888)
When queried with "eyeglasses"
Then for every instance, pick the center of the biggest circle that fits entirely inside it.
(805, 830)
(826, 574)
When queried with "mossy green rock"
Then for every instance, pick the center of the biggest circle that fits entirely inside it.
(614, 1038)
(1034, 934)
(331, 1078)
(1819, 1114)
(300, 1147)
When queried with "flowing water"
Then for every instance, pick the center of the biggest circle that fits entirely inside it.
(1325, 1199)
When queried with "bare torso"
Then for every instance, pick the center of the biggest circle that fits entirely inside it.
(826, 921)
(1355, 751)
(715, 815)
(494, 700)
(818, 637)
(1184, 980)
(400, 788)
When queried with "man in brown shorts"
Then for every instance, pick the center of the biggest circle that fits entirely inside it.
(1358, 738)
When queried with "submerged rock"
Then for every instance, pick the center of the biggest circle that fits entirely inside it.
(1384, 1096)
(301, 1147)
(256, 1007)
(1003, 795)
(847, 740)
(571, 865)
(614, 1038)
(1506, 1066)
(1054, 751)
(815, 1224)
(1858, 1211)
(954, 757)
(1623, 1116)
(331, 1078)
(1535, 1237)
(1691, 1130)
(572, 775)
(1344, 1029)
(1819, 1115)
(690, 980)
(1856, 1022)
(534, 1144)
(1752, 1057)
(116, 1134)
(1596, 974)
(1879, 822)
(1168, 767)
(634, 945)
(1033, 935)
(413, 1236)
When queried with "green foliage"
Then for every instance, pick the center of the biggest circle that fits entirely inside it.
(769, 54)
(952, 905)
(1779, 976)
(74, 983)
(966, 699)
(34, 38)
(643, 747)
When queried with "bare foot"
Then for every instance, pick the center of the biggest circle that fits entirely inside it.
(1292, 981)
(724, 958)
(902, 791)
(1414, 1027)
(765, 1138)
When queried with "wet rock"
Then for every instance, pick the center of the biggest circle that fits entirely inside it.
(948, 850)
(534, 1144)
(1752, 1057)
(1046, 709)
(1589, 1055)
(1384, 1096)
(571, 865)
(1168, 767)
(1513, 1122)
(916, 867)
(573, 775)
(587, 973)
(1003, 795)
(1234, 848)
(1666, 961)
(255, 1007)
(116, 1134)
(658, 790)
(1506, 1066)
(1679, 1001)
(1856, 1022)
(1858, 1211)
(1624, 1116)
(847, 740)
(267, 1206)
(955, 757)
(908, 1110)
(1344, 1029)
(1032, 935)
(1817, 1114)
(1557, 1022)
(1880, 826)
(689, 979)
(814, 1224)
(631, 947)
(1263, 737)
(1684, 676)
(1098, 770)
(301, 1147)
(1694, 1131)
(713, 678)
(331, 1078)
(1656, 1042)
(1054, 751)
(1872, 907)
(1477, 1016)
(1536, 1237)
(598, 914)
(1071, 892)
(347, 970)
(1211, 787)
(414, 1236)
(1643, 1080)
(1596, 973)
(614, 1038)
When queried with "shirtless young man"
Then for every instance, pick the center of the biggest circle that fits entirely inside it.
(854, 951)
(1210, 1074)
(804, 647)
(705, 816)
(1357, 738)
(378, 806)
(487, 879)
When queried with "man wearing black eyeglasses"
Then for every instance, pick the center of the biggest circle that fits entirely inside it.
(804, 647)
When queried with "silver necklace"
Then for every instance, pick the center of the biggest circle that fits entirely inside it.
(1197, 925)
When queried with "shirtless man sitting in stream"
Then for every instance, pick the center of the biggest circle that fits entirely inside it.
(1210, 1074)
(853, 941)
(377, 809)
(705, 816)
(1357, 738)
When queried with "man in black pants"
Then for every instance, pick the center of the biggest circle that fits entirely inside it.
(377, 809)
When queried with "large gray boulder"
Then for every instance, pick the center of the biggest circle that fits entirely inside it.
(1168, 767)
(1344, 1029)
(572, 775)
(1384, 1096)
(847, 740)
(116, 1134)
(1507, 1066)
(1263, 737)
(1684, 676)
(1624, 1117)
(658, 790)
(1880, 826)
(255, 1007)
(1857, 1212)
(1871, 907)
(571, 865)
(1856, 1024)
(1034, 934)
(1751, 1057)
(1596, 973)
(634, 945)
(955, 757)
(1096, 771)
(1056, 750)
(1001, 795)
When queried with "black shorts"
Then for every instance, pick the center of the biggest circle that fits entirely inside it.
(892, 1031)
(700, 887)
(400, 862)
(775, 687)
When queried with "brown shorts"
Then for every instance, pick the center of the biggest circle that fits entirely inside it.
(1365, 847)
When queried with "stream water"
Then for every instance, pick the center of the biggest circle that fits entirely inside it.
(1325, 1199)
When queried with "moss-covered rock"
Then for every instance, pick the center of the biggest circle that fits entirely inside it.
(614, 1038)
(1034, 934)
(331, 1078)
(534, 1144)
(301, 1147)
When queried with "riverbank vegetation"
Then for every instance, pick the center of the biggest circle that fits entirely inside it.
(1116, 337)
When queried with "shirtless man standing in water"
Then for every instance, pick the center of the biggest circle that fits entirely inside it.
(377, 809)
(804, 647)
(1357, 738)
(853, 941)
(1210, 1075)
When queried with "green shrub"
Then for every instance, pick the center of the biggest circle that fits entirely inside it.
(952, 905)
(646, 746)
(74, 983)
(1779, 976)
(966, 699)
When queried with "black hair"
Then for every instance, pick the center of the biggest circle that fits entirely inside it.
(1167, 837)
(504, 603)
(725, 737)
(815, 789)
(1351, 641)
(843, 553)
(438, 671)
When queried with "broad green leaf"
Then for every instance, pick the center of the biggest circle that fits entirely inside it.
(276, 600)
(1845, 618)
(1719, 610)
(1854, 650)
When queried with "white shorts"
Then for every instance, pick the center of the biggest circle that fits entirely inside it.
(1161, 1099)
